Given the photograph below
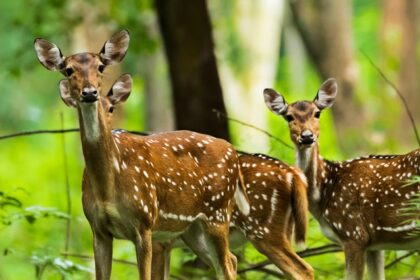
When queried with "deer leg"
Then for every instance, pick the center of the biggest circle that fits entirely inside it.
(203, 243)
(355, 261)
(143, 245)
(280, 252)
(161, 260)
(219, 238)
(375, 265)
(102, 248)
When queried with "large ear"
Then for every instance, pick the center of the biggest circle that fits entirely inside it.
(275, 101)
(49, 54)
(65, 93)
(115, 48)
(120, 90)
(326, 94)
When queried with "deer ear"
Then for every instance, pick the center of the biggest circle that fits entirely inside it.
(120, 90)
(115, 48)
(275, 101)
(65, 94)
(49, 54)
(326, 94)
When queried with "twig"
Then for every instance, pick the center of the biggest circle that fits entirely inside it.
(87, 257)
(42, 131)
(397, 260)
(407, 109)
(277, 274)
(219, 114)
(67, 186)
(58, 131)
(330, 248)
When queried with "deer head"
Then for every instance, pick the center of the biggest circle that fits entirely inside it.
(118, 93)
(303, 116)
(84, 71)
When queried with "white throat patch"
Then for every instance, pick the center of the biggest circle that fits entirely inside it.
(90, 120)
(303, 157)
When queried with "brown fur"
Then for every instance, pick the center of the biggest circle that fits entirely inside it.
(359, 203)
(133, 186)
(278, 200)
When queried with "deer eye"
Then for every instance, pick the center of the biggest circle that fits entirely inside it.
(289, 118)
(69, 71)
(101, 68)
(317, 114)
(111, 109)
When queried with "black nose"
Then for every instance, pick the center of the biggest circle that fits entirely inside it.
(90, 96)
(307, 137)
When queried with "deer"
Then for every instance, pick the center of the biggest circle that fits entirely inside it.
(277, 196)
(146, 189)
(358, 203)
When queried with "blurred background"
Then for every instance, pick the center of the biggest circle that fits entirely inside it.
(193, 63)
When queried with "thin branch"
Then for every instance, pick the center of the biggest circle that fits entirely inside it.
(330, 248)
(400, 95)
(67, 186)
(397, 260)
(58, 131)
(42, 131)
(220, 114)
(87, 257)
(277, 274)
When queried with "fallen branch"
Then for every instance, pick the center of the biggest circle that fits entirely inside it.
(407, 109)
(220, 114)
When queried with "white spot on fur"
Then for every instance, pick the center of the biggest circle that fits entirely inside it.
(116, 165)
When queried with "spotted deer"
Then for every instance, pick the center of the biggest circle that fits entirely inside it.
(278, 209)
(278, 200)
(358, 203)
(145, 189)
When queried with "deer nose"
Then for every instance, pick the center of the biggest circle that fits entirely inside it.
(89, 94)
(307, 137)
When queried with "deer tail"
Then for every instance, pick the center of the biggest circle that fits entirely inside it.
(241, 198)
(299, 207)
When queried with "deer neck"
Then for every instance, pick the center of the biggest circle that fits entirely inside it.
(98, 149)
(313, 166)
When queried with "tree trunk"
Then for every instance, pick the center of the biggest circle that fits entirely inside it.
(325, 29)
(399, 40)
(187, 35)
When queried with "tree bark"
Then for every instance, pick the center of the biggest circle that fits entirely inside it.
(325, 29)
(399, 40)
(187, 35)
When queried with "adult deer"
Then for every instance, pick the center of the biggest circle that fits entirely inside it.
(278, 207)
(278, 198)
(148, 188)
(358, 203)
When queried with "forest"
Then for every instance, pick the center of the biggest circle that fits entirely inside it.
(202, 66)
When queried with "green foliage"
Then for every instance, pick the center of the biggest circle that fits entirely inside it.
(34, 236)
(30, 214)
(65, 268)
